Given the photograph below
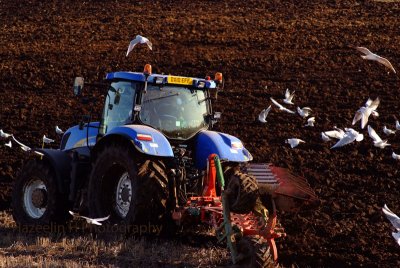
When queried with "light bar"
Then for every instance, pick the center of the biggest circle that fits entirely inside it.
(201, 84)
(159, 80)
(144, 137)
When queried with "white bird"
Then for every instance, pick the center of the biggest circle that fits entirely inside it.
(47, 140)
(397, 125)
(388, 131)
(378, 142)
(288, 97)
(96, 221)
(281, 107)
(371, 56)
(8, 144)
(349, 136)
(310, 122)
(139, 40)
(26, 148)
(325, 137)
(263, 115)
(59, 131)
(294, 142)
(364, 112)
(395, 156)
(336, 134)
(395, 221)
(304, 112)
(4, 135)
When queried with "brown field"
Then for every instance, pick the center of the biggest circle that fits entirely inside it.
(262, 48)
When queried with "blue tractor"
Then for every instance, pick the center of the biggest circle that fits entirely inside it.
(153, 158)
(146, 156)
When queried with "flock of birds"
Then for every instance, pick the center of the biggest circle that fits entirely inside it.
(348, 135)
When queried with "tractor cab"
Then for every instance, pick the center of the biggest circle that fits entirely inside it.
(179, 107)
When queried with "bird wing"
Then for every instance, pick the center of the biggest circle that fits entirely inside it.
(262, 116)
(287, 110)
(344, 141)
(374, 104)
(149, 44)
(357, 117)
(364, 50)
(102, 219)
(324, 137)
(334, 134)
(73, 213)
(385, 62)
(364, 116)
(133, 43)
(372, 133)
(287, 94)
(393, 218)
(311, 119)
(276, 103)
(396, 237)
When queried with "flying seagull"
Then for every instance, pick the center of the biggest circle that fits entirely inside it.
(388, 131)
(368, 55)
(303, 112)
(288, 97)
(349, 136)
(294, 142)
(26, 148)
(4, 135)
(310, 122)
(139, 40)
(395, 156)
(263, 115)
(59, 131)
(8, 144)
(47, 140)
(378, 142)
(395, 220)
(96, 221)
(397, 125)
(364, 112)
(281, 107)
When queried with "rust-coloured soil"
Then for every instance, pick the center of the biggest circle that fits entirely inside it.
(262, 48)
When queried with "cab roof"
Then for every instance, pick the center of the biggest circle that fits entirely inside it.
(163, 79)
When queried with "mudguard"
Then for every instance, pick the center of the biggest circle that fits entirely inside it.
(227, 147)
(74, 137)
(61, 164)
(147, 140)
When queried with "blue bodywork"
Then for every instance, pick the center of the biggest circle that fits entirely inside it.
(158, 146)
(227, 147)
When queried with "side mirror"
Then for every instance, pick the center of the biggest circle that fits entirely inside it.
(78, 86)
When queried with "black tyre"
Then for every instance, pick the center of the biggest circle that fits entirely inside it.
(151, 200)
(111, 183)
(242, 190)
(36, 199)
(255, 253)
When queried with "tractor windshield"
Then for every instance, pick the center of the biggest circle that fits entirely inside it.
(118, 106)
(178, 112)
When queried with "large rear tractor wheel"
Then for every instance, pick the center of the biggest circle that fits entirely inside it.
(242, 191)
(111, 183)
(36, 199)
(151, 202)
(255, 253)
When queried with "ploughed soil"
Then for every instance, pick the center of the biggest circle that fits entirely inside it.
(262, 48)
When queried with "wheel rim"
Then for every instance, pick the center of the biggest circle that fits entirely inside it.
(123, 195)
(35, 198)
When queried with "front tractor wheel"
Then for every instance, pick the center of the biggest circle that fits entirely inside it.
(111, 183)
(35, 198)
